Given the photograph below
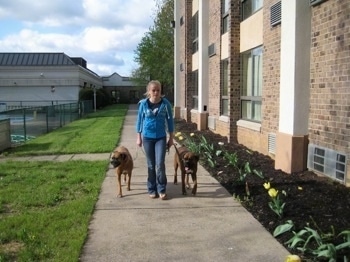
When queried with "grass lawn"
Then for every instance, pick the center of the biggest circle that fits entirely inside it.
(45, 207)
(99, 132)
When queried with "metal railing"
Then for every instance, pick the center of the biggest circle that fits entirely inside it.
(29, 122)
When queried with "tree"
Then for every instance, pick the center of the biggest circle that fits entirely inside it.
(155, 53)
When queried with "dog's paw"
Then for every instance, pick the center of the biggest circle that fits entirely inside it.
(119, 196)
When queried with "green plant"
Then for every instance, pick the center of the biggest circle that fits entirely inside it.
(190, 142)
(319, 244)
(276, 204)
(243, 171)
(232, 159)
(283, 228)
(258, 173)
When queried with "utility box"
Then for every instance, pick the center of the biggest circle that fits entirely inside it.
(5, 134)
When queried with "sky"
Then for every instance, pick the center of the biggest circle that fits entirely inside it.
(103, 32)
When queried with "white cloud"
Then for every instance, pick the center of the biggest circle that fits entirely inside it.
(105, 33)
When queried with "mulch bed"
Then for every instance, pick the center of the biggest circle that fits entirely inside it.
(311, 200)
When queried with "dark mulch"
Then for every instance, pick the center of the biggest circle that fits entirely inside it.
(311, 200)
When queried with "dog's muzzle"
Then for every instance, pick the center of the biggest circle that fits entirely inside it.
(188, 169)
(115, 162)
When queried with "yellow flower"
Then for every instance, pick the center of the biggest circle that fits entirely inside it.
(267, 185)
(181, 138)
(292, 258)
(300, 188)
(192, 134)
(178, 134)
(273, 192)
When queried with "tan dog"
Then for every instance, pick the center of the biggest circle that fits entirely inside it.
(188, 163)
(122, 161)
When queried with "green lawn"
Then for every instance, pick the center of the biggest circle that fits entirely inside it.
(97, 133)
(45, 207)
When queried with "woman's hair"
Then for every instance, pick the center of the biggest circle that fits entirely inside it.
(152, 83)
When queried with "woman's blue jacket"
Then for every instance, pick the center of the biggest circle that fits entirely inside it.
(155, 125)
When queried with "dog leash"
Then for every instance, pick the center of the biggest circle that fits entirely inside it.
(137, 152)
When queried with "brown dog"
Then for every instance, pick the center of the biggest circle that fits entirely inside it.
(188, 162)
(122, 161)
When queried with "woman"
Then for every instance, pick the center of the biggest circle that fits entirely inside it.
(154, 120)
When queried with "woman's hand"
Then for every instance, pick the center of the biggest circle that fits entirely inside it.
(139, 140)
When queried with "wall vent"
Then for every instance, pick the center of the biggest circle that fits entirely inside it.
(181, 67)
(271, 143)
(275, 14)
(316, 2)
(211, 50)
(181, 20)
(212, 122)
(327, 161)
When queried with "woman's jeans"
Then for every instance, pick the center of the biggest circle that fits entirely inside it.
(155, 149)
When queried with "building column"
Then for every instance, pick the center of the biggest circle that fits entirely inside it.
(177, 60)
(203, 64)
(292, 136)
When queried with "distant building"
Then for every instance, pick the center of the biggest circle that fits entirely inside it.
(272, 75)
(122, 89)
(44, 77)
(28, 79)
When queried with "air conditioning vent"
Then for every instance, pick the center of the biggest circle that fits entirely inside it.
(316, 2)
(271, 144)
(327, 161)
(275, 14)
(211, 50)
(212, 122)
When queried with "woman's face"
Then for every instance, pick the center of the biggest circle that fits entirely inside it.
(154, 91)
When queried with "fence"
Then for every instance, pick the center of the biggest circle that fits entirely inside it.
(29, 122)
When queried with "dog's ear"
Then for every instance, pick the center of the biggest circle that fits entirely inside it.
(196, 157)
(124, 156)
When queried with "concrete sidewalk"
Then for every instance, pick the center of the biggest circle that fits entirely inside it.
(211, 226)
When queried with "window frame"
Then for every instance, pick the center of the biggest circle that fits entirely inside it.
(253, 5)
(195, 89)
(251, 91)
(225, 7)
(195, 32)
(224, 91)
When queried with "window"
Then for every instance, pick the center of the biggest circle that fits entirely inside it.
(249, 7)
(133, 96)
(195, 89)
(224, 88)
(251, 85)
(195, 33)
(225, 16)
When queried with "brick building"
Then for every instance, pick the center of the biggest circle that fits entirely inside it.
(273, 75)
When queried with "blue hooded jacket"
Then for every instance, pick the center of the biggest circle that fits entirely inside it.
(155, 125)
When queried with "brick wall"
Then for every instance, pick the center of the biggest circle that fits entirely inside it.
(235, 70)
(271, 72)
(329, 124)
(185, 55)
(214, 61)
